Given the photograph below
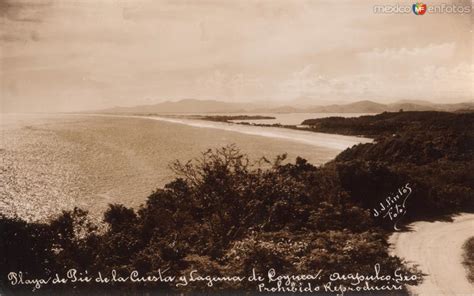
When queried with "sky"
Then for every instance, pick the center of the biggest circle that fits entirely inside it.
(70, 55)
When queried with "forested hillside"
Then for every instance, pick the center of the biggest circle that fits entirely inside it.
(224, 214)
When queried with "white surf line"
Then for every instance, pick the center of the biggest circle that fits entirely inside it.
(331, 141)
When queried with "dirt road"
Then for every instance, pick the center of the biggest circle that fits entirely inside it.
(436, 247)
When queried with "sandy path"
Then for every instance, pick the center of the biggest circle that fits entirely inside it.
(436, 247)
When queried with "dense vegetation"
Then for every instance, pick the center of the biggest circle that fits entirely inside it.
(221, 216)
(229, 118)
(225, 215)
(431, 150)
(218, 118)
(468, 262)
(390, 123)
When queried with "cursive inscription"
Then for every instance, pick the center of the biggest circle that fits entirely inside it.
(394, 206)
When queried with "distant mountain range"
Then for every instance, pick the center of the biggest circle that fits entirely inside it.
(212, 106)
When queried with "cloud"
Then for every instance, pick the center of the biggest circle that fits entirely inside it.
(123, 52)
(228, 86)
(402, 60)
(430, 82)
(23, 11)
(441, 82)
(20, 21)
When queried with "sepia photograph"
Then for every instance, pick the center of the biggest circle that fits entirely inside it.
(237, 147)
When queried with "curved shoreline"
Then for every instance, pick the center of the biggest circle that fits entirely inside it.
(331, 141)
(436, 249)
(58, 161)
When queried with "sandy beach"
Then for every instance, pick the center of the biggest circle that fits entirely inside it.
(56, 162)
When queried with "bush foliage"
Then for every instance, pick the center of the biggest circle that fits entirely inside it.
(224, 214)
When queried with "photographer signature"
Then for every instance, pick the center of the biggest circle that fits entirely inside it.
(394, 206)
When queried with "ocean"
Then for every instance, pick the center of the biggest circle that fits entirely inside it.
(55, 162)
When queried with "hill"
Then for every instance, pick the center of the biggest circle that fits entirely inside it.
(224, 214)
(357, 107)
(214, 106)
(184, 106)
(390, 123)
(432, 151)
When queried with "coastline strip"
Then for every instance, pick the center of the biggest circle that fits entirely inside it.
(330, 141)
